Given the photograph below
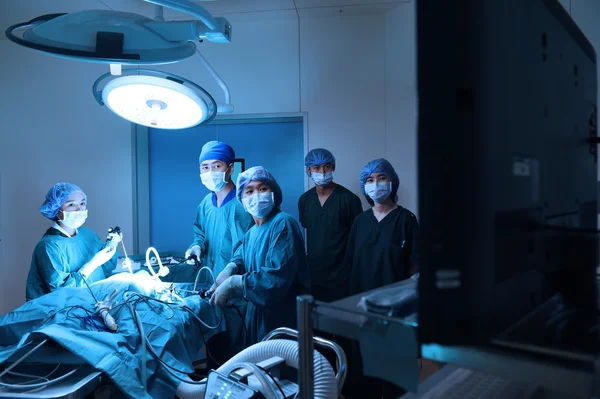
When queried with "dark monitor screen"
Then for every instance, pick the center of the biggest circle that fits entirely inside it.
(507, 172)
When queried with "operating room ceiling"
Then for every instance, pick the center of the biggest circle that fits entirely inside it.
(13, 11)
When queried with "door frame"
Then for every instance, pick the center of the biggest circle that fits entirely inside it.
(141, 162)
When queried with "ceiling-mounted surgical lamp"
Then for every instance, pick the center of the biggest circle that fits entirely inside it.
(155, 99)
(147, 97)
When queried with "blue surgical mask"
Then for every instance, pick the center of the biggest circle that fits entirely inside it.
(322, 179)
(259, 205)
(214, 181)
(379, 191)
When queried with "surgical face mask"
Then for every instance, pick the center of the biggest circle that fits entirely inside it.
(74, 220)
(322, 179)
(214, 181)
(379, 191)
(260, 204)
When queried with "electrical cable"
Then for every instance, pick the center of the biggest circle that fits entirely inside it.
(199, 271)
(133, 296)
(68, 309)
(207, 350)
(23, 358)
(167, 366)
(136, 298)
(245, 332)
(178, 259)
(132, 300)
(170, 305)
(88, 287)
(274, 380)
(144, 343)
(14, 386)
(37, 377)
(34, 378)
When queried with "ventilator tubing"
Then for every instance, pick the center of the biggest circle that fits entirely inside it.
(325, 384)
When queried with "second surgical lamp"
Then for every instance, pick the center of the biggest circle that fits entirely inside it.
(143, 96)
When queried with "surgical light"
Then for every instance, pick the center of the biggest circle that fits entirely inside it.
(156, 99)
(146, 97)
(149, 101)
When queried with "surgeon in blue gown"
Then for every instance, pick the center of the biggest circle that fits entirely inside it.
(271, 269)
(219, 228)
(68, 252)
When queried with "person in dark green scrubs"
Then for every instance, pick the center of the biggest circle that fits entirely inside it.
(327, 212)
(382, 249)
(383, 243)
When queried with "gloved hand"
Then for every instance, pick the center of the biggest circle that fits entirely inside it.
(229, 270)
(230, 288)
(103, 256)
(195, 250)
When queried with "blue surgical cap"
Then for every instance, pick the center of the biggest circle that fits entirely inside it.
(217, 150)
(56, 197)
(379, 166)
(319, 156)
(258, 173)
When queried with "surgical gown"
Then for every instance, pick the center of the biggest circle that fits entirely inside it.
(57, 259)
(219, 231)
(274, 273)
(382, 252)
(327, 230)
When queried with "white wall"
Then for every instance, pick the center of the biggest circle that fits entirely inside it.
(260, 65)
(51, 131)
(355, 74)
(343, 76)
(343, 90)
(401, 100)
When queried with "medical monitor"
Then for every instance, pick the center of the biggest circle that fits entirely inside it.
(507, 173)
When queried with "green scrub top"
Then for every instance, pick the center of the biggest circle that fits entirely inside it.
(219, 231)
(274, 271)
(57, 259)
